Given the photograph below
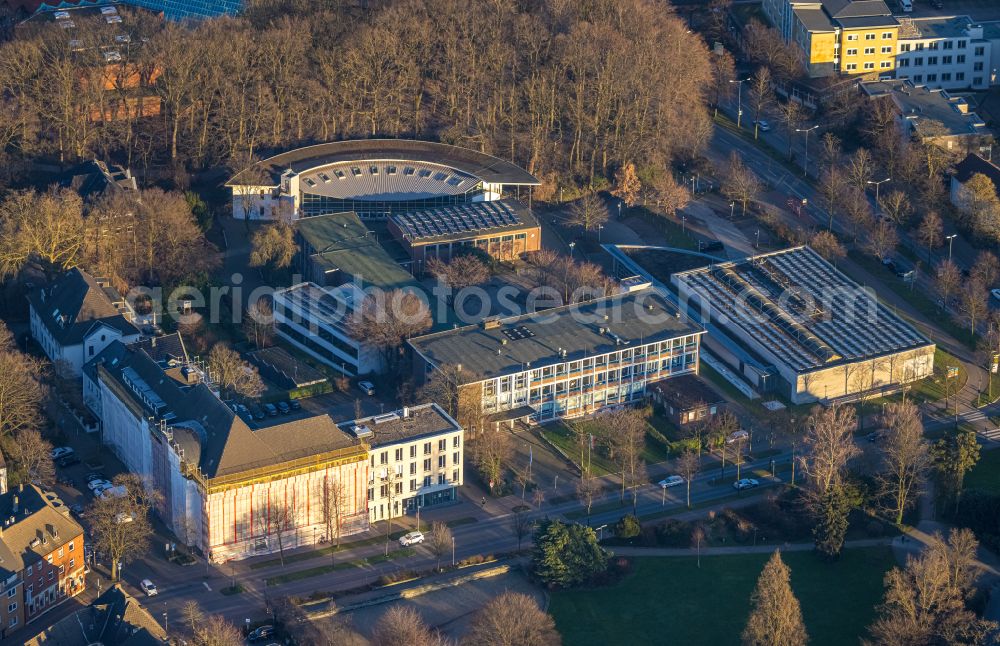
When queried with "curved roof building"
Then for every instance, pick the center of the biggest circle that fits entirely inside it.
(375, 178)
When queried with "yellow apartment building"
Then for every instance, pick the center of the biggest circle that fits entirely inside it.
(838, 36)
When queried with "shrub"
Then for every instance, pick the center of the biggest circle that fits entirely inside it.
(628, 527)
(673, 533)
(567, 555)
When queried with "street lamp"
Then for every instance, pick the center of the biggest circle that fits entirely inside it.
(758, 239)
(599, 228)
(739, 99)
(684, 224)
(452, 551)
(619, 210)
(732, 209)
(571, 245)
(877, 184)
(950, 239)
(805, 164)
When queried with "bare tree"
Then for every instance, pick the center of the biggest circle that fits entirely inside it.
(387, 319)
(216, 631)
(21, 392)
(439, 541)
(32, 457)
(232, 374)
(119, 520)
(193, 615)
(775, 616)
(627, 434)
(761, 96)
(947, 280)
(273, 245)
(860, 169)
(588, 212)
(905, 458)
(896, 206)
(403, 625)
(930, 232)
(740, 184)
(491, 451)
(512, 619)
(668, 195)
(986, 269)
(973, 303)
(521, 524)
(460, 272)
(258, 323)
(43, 229)
(274, 520)
(689, 464)
(829, 446)
(926, 602)
(335, 506)
(883, 239)
(587, 489)
(979, 204)
(826, 244)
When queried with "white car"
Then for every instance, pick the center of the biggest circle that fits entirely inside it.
(763, 125)
(671, 481)
(367, 387)
(745, 483)
(413, 538)
(60, 451)
(737, 436)
(148, 587)
(996, 293)
(94, 485)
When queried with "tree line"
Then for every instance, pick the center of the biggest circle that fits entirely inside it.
(560, 87)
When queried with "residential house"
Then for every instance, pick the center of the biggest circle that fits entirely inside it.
(687, 399)
(77, 316)
(973, 164)
(113, 619)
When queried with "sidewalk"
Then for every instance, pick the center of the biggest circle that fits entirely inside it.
(742, 549)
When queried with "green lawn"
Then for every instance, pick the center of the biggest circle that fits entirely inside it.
(986, 474)
(560, 435)
(670, 600)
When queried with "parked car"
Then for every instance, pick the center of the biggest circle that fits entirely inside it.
(937, 4)
(295, 404)
(77, 509)
(271, 409)
(95, 475)
(68, 460)
(671, 481)
(996, 293)
(710, 245)
(257, 412)
(102, 489)
(737, 436)
(745, 483)
(763, 125)
(413, 538)
(284, 408)
(262, 633)
(367, 387)
(94, 485)
(148, 587)
(60, 451)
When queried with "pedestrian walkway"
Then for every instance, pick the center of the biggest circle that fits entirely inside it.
(741, 549)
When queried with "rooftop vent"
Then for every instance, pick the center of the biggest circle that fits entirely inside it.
(361, 431)
(491, 323)
(385, 417)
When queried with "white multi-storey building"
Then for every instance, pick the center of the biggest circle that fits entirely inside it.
(316, 321)
(568, 361)
(415, 459)
(948, 53)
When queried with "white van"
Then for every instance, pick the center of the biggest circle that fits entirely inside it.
(906, 5)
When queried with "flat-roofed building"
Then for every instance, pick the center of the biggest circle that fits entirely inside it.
(824, 335)
(947, 52)
(415, 459)
(498, 228)
(316, 320)
(566, 361)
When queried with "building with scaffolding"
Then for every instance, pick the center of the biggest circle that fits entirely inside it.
(821, 335)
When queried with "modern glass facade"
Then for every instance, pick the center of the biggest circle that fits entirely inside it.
(574, 388)
(313, 204)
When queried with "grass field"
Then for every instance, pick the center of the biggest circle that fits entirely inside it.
(986, 474)
(671, 600)
(560, 435)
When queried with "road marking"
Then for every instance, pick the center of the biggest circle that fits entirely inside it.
(206, 586)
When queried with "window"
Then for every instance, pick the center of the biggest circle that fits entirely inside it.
(903, 62)
(427, 481)
(413, 450)
(869, 66)
(454, 475)
(399, 487)
(887, 50)
(946, 76)
(962, 44)
(399, 454)
(851, 67)
(456, 442)
(852, 36)
(979, 51)
(977, 67)
(852, 52)
(455, 457)
(946, 60)
(885, 64)
(920, 46)
(442, 479)
(918, 78)
(427, 448)
(442, 445)
(11, 607)
(948, 45)
(886, 35)
(413, 468)
(869, 36)
(71, 545)
(12, 591)
(13, 620)
(29, 570)
(72, 563)
(61, 552)
(960, 58)
(918, 61)
(905, 47)
(959, 76)
(977, 80)
(383, 458)
(869, 51)
(931, 78)
(442, 461)
(933, 45)
(427, 464)
(413, 484)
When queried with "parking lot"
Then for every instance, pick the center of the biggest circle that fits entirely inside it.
(978, 10)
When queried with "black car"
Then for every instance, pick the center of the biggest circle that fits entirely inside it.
(257, 412)
(295, 404)
(710, 245)
(937, 4)
(68, 460)
(271, 409)
(284, 408)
